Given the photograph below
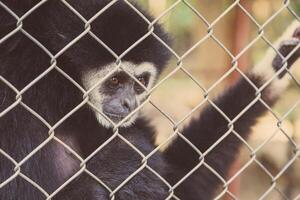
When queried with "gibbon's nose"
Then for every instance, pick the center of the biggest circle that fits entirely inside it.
(129, 104)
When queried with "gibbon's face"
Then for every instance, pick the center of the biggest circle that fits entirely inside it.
(119, 95)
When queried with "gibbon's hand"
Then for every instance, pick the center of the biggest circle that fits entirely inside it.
(285, 49)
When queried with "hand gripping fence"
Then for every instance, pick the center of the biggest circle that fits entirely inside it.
(286, 5)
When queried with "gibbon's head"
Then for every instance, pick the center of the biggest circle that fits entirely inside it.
(143, 57)
(119, 94)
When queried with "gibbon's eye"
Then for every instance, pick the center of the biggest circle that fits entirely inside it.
(142, 80)
(114, 81)
(138, 88)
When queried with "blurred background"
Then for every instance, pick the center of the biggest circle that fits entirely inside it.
(178, 95)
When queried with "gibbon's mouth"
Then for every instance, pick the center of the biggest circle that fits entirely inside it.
(115, 117)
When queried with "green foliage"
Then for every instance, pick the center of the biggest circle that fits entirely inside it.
(182, 17)
(296, 6)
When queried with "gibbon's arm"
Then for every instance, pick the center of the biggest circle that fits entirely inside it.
(211, 125)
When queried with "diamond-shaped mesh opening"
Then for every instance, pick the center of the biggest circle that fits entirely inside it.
(66, 33)
(60, 157)
(171, 19)
(54, 143)
(266, 10)
(44, 89)
(209, 175)
(212, 14)
(158, 191)
(254, 171)
(112, 163)
(24, 63)
(14, 144)
(88, 192)
(190, 97)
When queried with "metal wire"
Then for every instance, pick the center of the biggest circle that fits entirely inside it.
(180, 67)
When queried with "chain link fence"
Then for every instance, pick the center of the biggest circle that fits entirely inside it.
(19, 28)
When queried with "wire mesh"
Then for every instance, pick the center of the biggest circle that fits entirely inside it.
(19, 28)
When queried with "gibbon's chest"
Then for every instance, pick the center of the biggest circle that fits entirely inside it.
(122, 169)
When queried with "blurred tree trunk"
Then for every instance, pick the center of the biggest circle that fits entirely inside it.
(241, 27)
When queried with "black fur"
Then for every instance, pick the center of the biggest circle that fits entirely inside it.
(207, 129)
(52, 97)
